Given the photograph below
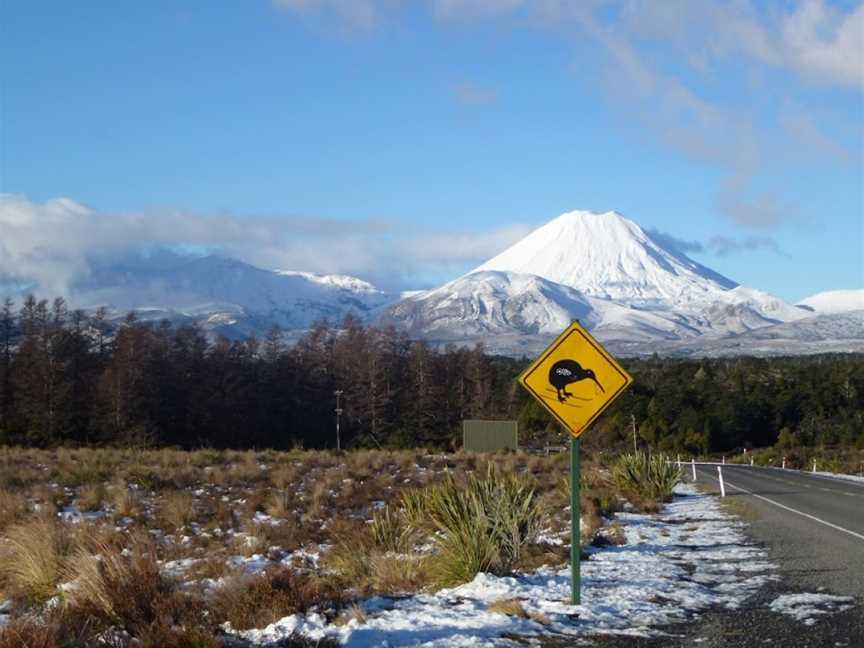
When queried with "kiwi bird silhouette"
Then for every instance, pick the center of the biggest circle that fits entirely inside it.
(567, 372)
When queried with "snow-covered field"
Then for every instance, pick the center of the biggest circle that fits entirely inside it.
(689, 558)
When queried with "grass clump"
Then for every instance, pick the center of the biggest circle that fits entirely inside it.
(32, 559)
(127, 591)
(481, 526)
(13, 506)
(258, 600)
(646, 479)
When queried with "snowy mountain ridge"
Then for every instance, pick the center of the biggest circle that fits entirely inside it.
(835, 301)
(603, 269)
(228, 296)
(632, 288)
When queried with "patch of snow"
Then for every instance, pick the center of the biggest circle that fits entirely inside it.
(806, 607)
(5, 612)
(73, 515)
(855, 478)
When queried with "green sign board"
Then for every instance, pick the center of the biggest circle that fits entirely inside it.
(489, 436)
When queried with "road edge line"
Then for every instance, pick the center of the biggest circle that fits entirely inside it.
(788, 508)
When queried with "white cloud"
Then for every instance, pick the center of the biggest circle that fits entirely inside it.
(58, 242)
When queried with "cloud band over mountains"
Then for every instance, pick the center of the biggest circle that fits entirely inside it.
(56, 244)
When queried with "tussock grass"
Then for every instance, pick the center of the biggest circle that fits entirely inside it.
(32, 559)
(90, 497)
(257, 601)
(280, 504)
(126, 502)
(177, 509)
(128, 591)
(13, 507)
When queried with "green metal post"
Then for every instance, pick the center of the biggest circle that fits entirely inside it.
(575, 543)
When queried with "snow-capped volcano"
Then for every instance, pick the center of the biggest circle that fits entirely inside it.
(610, 257)
(603, 269)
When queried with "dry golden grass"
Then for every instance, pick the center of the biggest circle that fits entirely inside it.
(256, 601)
(176, 509)
(13, 506)
(90, 497)
(32, 559)
(352, 613)
(280, 504)
(127, 590)
(511, 607)
(125, 501)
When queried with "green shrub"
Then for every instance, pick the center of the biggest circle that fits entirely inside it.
(483, 525)
(649, 479)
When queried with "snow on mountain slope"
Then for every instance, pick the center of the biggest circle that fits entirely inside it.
(603, 269)
(346, 282)
(835, 301)
(506, 303)
(611, 257)
(221, 292)
(490, 302)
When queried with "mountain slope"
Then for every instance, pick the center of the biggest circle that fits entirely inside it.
(227, 295)
(835, 301)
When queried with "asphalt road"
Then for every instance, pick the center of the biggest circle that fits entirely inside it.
(812, 528)
(813, 525)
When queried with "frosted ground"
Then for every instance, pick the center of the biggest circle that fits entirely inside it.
(689, 558)
(667, 568)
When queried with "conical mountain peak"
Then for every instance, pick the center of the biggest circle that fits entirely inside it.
(608, 256)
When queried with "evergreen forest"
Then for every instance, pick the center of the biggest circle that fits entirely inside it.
(68, 378)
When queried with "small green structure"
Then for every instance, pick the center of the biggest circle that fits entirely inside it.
(489, 436)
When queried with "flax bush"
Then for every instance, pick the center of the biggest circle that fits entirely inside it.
(649, 479)
(481, 526)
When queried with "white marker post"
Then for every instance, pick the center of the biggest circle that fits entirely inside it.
(751, 460)
(679, 461)
(722, 485)
(724, 460)
(693, 466)
(814, 465)
(784, 463)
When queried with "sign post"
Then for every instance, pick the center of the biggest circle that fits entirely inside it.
(575, 379)
(575, 524)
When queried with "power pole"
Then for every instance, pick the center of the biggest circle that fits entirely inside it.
(633, 427)
(338, 393)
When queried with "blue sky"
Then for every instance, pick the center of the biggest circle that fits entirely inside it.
(408, 141)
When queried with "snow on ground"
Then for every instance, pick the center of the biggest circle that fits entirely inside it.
(690, 558)
(806, 607)
(855, 478)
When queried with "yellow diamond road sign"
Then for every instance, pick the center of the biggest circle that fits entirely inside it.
(575, 379)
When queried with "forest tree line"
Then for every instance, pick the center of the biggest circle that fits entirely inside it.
(67, 377)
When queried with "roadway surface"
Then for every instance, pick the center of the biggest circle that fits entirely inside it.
(812, 528)
(820, 532)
